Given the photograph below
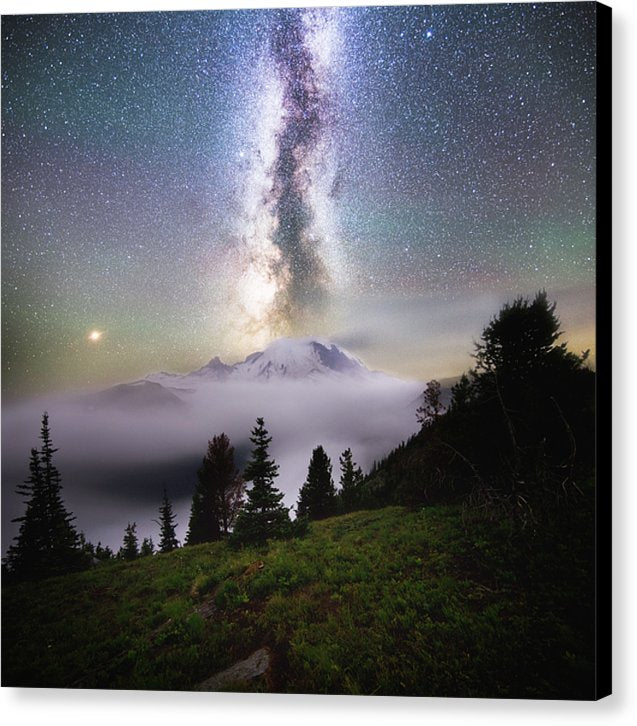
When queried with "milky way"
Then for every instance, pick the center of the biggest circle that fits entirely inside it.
(192, 184)
(287, 278)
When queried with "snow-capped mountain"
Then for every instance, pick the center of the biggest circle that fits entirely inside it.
(214, 370)
(285, 358)
(300, 358)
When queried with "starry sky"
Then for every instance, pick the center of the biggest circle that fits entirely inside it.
(181, 185)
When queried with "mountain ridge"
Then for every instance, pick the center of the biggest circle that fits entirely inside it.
(284, 358)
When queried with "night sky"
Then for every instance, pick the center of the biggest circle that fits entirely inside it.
(181, 185)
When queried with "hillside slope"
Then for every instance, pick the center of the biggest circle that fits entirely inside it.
(390, 602)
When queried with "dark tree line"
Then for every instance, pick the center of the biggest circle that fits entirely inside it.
(518, 434)
(219, 510)
(48, 544)
(131, 550)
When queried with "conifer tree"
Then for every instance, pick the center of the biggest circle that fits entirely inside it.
(263, 516)
(432, 405)
(167, 537)
(317, 497)
(27, 557)
(461, 394)
(103, 553)
(351, 480)
(64, 552)
(148, 548)
(129, 549)
(47, 543)
(218, 494)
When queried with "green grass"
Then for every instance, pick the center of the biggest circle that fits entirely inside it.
(377, 602)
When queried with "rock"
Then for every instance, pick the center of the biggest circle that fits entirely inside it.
(252, 667)
(207, 609)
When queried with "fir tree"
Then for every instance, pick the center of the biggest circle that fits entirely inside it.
(263, 516)
(351, 481)
(317, 497)
(64, 553)
(522, 340)
(461, 394)
(148, 548)
(47, 543)
(218, 494)
(103, 553)
(167, 538)
(27, 557)
(129, 549)
(432, 405)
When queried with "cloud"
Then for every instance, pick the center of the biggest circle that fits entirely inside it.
(114, 463)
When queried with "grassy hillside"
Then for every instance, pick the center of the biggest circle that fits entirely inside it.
(376, 602)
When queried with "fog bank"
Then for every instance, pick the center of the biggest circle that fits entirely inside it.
(115, 460)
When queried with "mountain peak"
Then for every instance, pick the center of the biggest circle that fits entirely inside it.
(215, 367)
(299, 358)
(284, 358)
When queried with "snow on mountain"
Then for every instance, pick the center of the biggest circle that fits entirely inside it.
(285, 358)
(300, 358)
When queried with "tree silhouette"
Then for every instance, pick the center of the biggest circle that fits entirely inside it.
(518, 438)
(28, 556)
(167, 537)
(129, 549)
(148, 548)
(317, 497)
(432, 405)
(218, 494)
(522, 339)
(351, 481)
(263, 516)
(103, 553)
(47, 543)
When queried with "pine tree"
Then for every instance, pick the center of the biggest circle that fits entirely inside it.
(317, 497)
(218, 494)
(461, 394)
(351, 481)
(64, 553)
(103, 553)
(167, 538)
(263, 516)
(129, 549)
(148, 548)
(522, 340)
(47, 543)
(27, 557)
(432, 405)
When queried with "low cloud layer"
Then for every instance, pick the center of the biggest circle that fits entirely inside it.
(115, 462)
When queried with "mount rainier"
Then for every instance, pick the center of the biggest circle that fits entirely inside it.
(285, 358)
